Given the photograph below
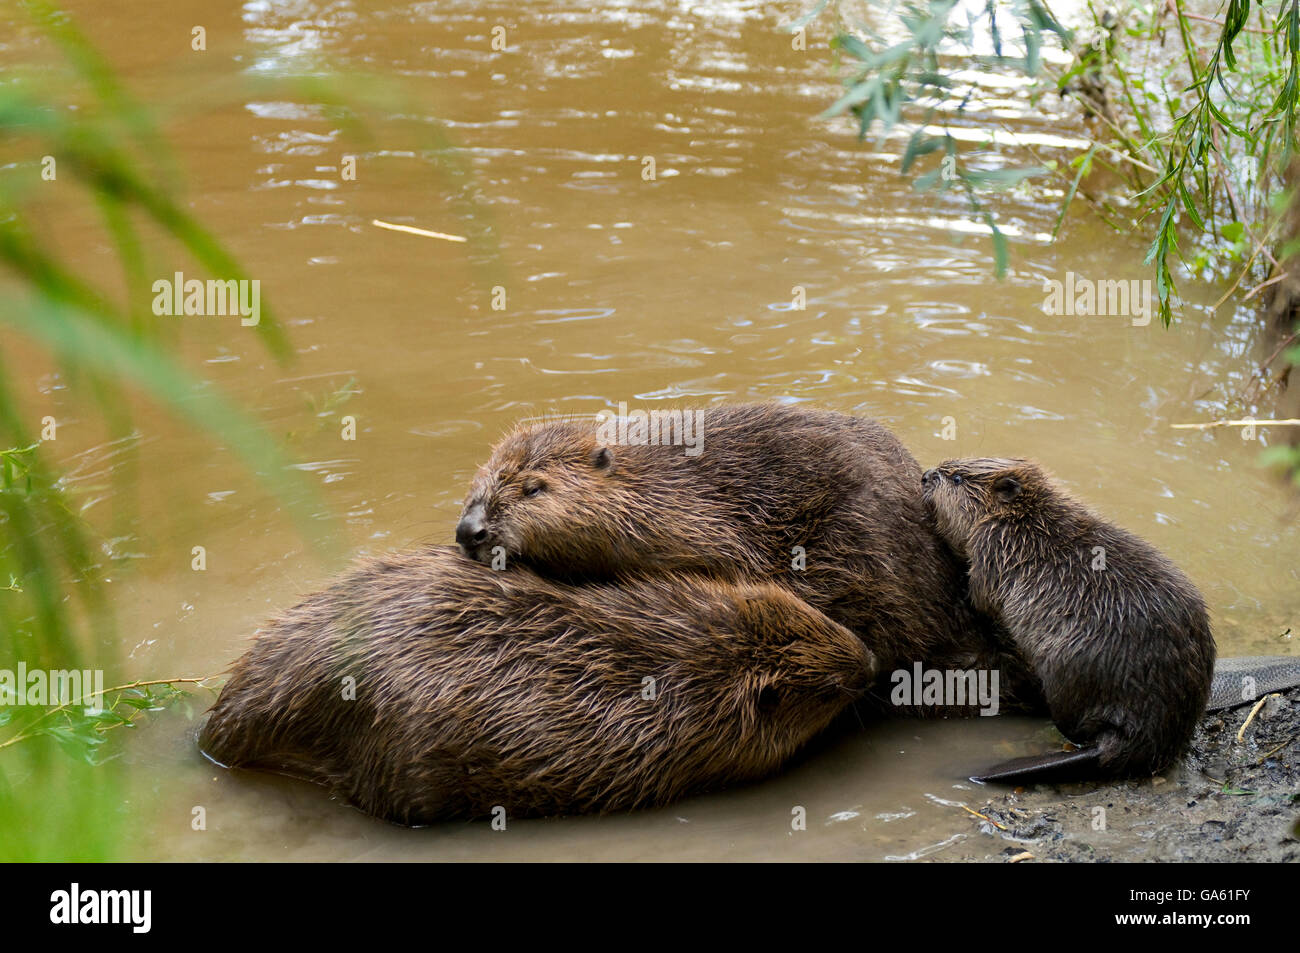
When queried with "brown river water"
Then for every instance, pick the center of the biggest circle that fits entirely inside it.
(669, 292)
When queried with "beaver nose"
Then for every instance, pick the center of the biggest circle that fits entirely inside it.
(928, 476)
(471, 530)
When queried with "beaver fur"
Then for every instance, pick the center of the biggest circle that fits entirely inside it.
(771, 482)
(475, 689)
(1119, 637)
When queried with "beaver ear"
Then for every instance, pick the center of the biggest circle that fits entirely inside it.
(1006, 488)
(602, 458)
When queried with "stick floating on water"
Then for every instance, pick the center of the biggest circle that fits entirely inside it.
(1289, 422)
(412, 230)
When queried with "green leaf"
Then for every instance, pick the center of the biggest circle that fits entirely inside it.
(1003, 178)
(919, 145)
(1278, 456)
(808, 17)
(1085, 165)
(1190, 206)
(858, 94)
(852, 45)
(1228, 123)
(1236, 17)
(999, 248)
(926, 182)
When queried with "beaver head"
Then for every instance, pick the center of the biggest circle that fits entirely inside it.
(962, 495)
(556, 497)
(765, 672)
(804, 650)
(543, 493)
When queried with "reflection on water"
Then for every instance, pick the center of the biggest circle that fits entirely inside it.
(622, 287)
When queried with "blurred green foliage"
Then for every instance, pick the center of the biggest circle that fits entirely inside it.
(67, 105)
(1193, 116)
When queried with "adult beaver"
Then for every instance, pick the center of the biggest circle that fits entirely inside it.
(1119, 637)
(824, 503)
(424, 686)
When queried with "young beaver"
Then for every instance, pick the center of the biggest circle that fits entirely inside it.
(1118, 635)
(424, 686)
(824, 503)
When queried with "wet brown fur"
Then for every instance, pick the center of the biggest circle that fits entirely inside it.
(477, 688)
(770, 477)
(1125, 654)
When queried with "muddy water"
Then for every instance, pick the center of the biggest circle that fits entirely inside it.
(678, 290)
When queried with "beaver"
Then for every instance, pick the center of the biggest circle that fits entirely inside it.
(824, 503)
(1118, 636)
(424, 686)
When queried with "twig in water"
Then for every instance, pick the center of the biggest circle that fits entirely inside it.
(1289, 422)
(1268, 235)
(1262, 285)
(1263, 368)
(412, 230)
(984, 817)
(28, 733)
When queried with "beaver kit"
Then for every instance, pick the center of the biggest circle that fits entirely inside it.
(424, 686)
(1118, 635)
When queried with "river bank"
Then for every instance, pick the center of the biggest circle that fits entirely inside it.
(1230, 800)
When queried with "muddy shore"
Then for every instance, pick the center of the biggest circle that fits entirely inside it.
(1229, 800)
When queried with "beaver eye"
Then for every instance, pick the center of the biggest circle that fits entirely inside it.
(956, 478)
(533, 487)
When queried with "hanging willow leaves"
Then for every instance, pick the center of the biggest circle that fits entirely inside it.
(1232, 98)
